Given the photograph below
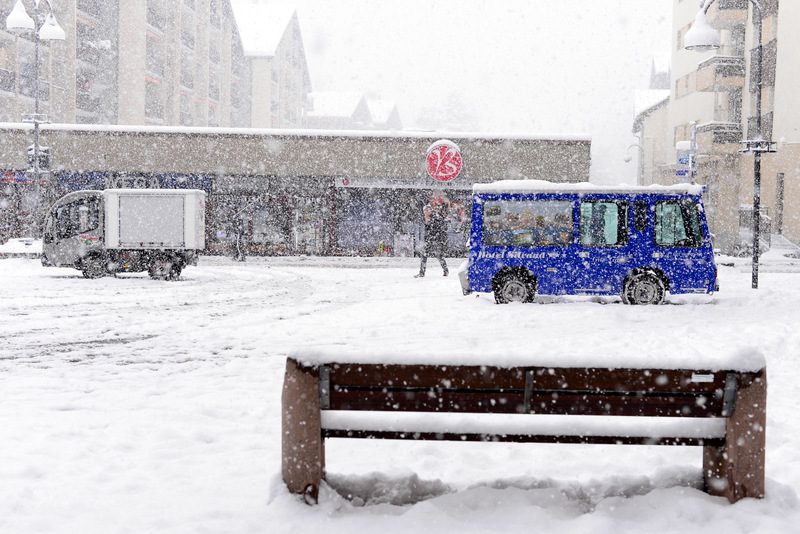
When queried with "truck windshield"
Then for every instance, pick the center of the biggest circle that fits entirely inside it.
(77, 217)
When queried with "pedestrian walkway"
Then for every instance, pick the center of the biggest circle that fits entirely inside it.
(783, 256)
(783, 245)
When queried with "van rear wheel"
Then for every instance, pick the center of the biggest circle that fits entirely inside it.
(513, 287)
(643, 288)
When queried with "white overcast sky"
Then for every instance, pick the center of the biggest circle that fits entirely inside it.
(523, 66)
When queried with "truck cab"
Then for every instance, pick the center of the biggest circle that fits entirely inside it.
(73, 229)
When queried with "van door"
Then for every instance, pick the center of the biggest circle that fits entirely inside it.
(681, 249)
(602, 254)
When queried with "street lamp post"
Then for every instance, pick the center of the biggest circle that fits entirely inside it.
(45, 28)
(702, 37)
(639, 162)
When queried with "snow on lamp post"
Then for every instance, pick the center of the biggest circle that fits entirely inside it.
(45, 28)
(702, 37)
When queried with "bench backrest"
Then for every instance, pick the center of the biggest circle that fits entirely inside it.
(546, 390)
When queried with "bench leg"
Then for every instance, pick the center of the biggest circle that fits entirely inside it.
(736, 470)
(302, 445)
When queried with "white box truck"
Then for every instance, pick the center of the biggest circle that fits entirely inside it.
(126, 230)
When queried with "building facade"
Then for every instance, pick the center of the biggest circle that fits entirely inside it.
(297, 192)
(712, 95)
(158, 62)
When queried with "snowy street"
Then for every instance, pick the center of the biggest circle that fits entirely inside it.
(134, 405)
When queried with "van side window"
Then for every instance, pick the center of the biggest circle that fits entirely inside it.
(603, 224)
(527, 223)
(640, 215)
(677, 224)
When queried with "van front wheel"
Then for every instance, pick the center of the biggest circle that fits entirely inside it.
(513, 288)
(643, 288)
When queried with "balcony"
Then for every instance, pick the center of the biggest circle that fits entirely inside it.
(8, 81)
(721, 73)
(728, 13)
(722, 133)
(85, 101)
(156, 19)
(767, 121)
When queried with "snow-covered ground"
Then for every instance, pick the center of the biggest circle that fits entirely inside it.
(131, 405)
(20, 246)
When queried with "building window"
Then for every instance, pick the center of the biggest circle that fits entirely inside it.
(156, 14)
(213, 120)
(213, 53)
(155, 55)
(213, 7)
(186, 109)
(213, 88)
(154, 99)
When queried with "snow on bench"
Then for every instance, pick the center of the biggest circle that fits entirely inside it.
(720, 408)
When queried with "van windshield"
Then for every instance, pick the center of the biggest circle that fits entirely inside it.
(527, 223)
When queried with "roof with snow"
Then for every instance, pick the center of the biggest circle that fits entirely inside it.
(334, 104)
(646, 102)
(381, 110)
(262, 26)
(540, 186)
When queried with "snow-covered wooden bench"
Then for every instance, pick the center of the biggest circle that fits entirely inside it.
(724, 411)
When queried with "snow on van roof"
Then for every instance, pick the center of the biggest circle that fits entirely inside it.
(542, 186)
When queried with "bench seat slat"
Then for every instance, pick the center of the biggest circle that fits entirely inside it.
(482, 377)
(428, 400)
(541, 402)
(645, 380)
(648, 405)
(427, 376)
(522, 428)
(518, 438)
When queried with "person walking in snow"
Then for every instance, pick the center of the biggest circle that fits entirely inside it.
(435, 234)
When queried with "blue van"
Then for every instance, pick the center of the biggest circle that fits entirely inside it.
(637, 242)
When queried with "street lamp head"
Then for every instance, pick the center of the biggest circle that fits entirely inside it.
(701, 37)
(50, 30)
(18, 21)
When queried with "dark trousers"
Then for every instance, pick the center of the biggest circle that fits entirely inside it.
(433, 249)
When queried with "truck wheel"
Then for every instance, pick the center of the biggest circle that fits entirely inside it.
(160, 269)
(643, 288)
(174, 272)
(93, 267)
(513, 287)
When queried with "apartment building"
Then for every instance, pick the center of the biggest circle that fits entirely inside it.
(157, 62)
(712, 95)
(273, 47)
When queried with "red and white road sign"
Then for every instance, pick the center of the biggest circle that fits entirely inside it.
(443, 160)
